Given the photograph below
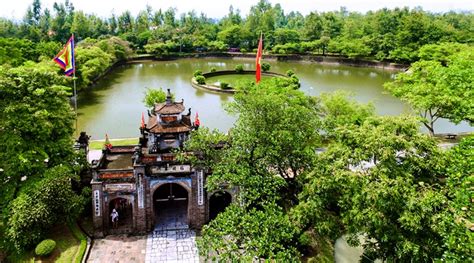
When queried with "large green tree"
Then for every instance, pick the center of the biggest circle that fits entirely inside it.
(271, 144)
(456, 221)
(36, 125)
(41, 205)
(436, 91)
(276, 132)
(380, 181)
(241, 234)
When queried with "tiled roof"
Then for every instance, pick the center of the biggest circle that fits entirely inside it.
(169, 108)
(155, 127)
(173, 128)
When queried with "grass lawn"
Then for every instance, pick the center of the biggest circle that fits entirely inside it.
(99, 144)
(234, 79)
(68, 247)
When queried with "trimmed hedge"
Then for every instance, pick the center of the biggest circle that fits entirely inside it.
(239, 68)
(45, 247)
(197, 73)
(225, 85)
(265, 67)
(200, 80)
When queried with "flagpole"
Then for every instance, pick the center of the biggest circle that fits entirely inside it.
(75, 97)
(74, 81)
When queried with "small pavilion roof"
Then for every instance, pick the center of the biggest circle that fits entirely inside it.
(169, 108)
(155, 127)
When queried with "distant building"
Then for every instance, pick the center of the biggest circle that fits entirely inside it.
(147, 185)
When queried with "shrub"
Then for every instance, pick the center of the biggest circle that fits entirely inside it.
(290, 73)
(197, 73)
(239, 68)
(200, 79)
(154, 96)
(225, 85)
(45, 247)
(213, 69)
(265, 66)
(305, 239)
(295, 81)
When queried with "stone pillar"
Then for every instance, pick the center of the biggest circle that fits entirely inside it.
(98, 209)
(198, 200)
(150, 217)
(140, 202)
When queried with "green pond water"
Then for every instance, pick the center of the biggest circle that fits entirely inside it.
(114, 105)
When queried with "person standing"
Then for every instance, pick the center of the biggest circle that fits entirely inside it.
(114, 215)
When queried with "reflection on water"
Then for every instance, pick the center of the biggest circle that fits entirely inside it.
(114, 105)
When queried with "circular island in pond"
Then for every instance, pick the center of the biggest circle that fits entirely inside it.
(227, 80)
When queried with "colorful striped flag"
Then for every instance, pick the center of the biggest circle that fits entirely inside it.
(65, 57)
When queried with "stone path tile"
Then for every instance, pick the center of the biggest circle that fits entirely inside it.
(118, 248)
(178, 245)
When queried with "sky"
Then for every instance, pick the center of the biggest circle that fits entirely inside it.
(15, 9)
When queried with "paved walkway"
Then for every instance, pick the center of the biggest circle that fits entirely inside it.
(172, 241)
(118, 248)
(172, 246)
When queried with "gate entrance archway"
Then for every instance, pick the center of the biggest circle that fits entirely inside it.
(170, 203)
(218, 202)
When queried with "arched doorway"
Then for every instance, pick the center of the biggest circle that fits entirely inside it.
(171, 206)
(124, 210)
(218, 203)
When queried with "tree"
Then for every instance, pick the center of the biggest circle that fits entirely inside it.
(283, 36)
(440, 52)
(313, 26)
(125, 22)
(81, 26)
(435, 91)
(273, 140)
(59, 24)
(154, 96)
(206, 146)
(240, 234)
(455, 224)
(36, 126)
(338, 110)
(380, 181)
(230, 36)
(42, 205)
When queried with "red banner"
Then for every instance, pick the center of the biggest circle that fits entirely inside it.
(258, 64)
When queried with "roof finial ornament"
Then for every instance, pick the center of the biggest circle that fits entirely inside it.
(169, 97)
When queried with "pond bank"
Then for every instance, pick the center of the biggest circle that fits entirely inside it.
(324, 60)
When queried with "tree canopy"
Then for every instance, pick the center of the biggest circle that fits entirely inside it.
(385, 34)
(37, 160)
(438, 91)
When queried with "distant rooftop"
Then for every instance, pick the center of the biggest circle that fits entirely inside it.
(119, 161)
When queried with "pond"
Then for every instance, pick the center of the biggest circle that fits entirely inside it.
(114, 106)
